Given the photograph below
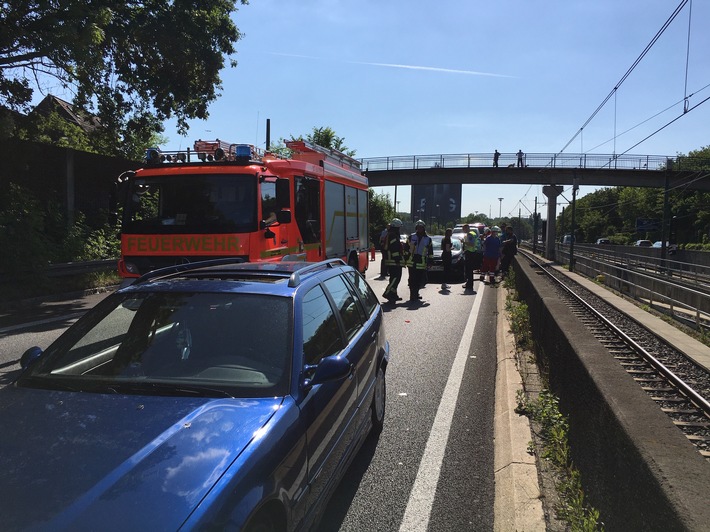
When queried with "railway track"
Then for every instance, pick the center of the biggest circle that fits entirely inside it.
(679, 385)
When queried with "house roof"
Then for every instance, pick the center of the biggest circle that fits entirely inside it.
(69, 112)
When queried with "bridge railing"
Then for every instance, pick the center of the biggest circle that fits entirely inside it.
(537, 160)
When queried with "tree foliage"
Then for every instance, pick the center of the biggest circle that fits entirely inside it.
(381, 213)
(134, 64)
(612, 212)
(323, 136)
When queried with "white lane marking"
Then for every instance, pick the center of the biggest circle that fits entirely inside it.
(421, 499)
(30, 324)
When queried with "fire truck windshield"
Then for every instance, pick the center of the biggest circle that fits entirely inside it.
(193, 203)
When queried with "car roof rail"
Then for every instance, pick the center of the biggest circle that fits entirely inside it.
(178, 268)
(295, 278)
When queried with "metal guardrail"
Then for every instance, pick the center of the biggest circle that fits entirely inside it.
(538, 160)
(74, 268)
(648, 279)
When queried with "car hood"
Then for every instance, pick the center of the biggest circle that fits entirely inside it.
(91, 461)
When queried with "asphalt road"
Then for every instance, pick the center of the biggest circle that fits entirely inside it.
(432, 466)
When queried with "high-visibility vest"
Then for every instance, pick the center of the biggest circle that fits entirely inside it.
(472, 242)
(422, 250)
(407, 253)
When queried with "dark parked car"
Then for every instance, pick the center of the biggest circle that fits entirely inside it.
(457, 258)
(601, 241)
(210, 396)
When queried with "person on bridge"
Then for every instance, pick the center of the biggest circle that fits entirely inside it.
(393, 260)
(521, 156)
(496, 156)
(422, 250)
(472, 255)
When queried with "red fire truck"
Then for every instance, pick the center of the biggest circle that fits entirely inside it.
(228, 200)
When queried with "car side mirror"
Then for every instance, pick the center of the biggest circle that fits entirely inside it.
(30, 356)
(329, 369)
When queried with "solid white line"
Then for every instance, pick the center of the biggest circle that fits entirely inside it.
(30, 324)
(421, 499)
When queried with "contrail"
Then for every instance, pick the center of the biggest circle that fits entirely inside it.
(433, 69)
(407, 67)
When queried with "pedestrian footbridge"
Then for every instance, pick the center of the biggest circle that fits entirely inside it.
(551, 171)
(540, 169)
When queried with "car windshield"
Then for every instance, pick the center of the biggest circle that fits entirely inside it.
(174, 343)
(191, 203)
(436, 243)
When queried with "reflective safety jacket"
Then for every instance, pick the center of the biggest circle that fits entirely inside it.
(393, 249)
(422, 250)
(407, 253)
(472, 242)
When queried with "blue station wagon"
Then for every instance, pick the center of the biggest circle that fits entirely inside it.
(212, 395)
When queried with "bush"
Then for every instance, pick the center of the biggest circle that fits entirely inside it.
(33, 235)
(23, 240)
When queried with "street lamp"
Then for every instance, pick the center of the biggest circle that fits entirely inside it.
(500, 207)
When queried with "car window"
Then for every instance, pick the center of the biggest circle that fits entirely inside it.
(222, 341)
(367, 296)
(347, 305)
(321, 334)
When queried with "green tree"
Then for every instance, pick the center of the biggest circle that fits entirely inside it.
(597, 216)
(53, 129)
(381, 213)
(135, 63)
(322, 136)
(326, 137)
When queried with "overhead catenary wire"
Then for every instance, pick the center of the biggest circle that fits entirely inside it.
(659, 113)
(628, 72)
(687, 59)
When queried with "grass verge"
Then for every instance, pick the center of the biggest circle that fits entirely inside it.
(551, 428)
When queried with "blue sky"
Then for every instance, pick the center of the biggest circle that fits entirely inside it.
(397, 77)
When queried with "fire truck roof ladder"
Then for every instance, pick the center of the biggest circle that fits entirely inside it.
(330, 155)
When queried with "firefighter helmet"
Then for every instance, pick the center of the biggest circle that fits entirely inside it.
(419, 224)
(396, 222)
(495, 229)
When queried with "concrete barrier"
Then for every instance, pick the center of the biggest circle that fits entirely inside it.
(637, 468)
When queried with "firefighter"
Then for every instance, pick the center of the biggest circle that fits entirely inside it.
(422, 250)
(393, 260)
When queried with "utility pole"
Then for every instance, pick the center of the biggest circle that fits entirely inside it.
(535, 227)
(575, 186)
(500, 208)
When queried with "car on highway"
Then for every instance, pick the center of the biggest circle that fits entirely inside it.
(601, 241)
(205, 396)
(436, 265)
(458, 230)
(643, 243)
(672, 248)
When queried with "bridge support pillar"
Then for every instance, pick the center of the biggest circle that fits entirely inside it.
(551, 191)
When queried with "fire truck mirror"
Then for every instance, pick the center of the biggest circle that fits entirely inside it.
(284, 217)
(283, 194)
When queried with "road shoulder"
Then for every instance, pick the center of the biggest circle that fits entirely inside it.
(518, 504)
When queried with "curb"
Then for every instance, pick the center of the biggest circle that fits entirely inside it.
(518, 504)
